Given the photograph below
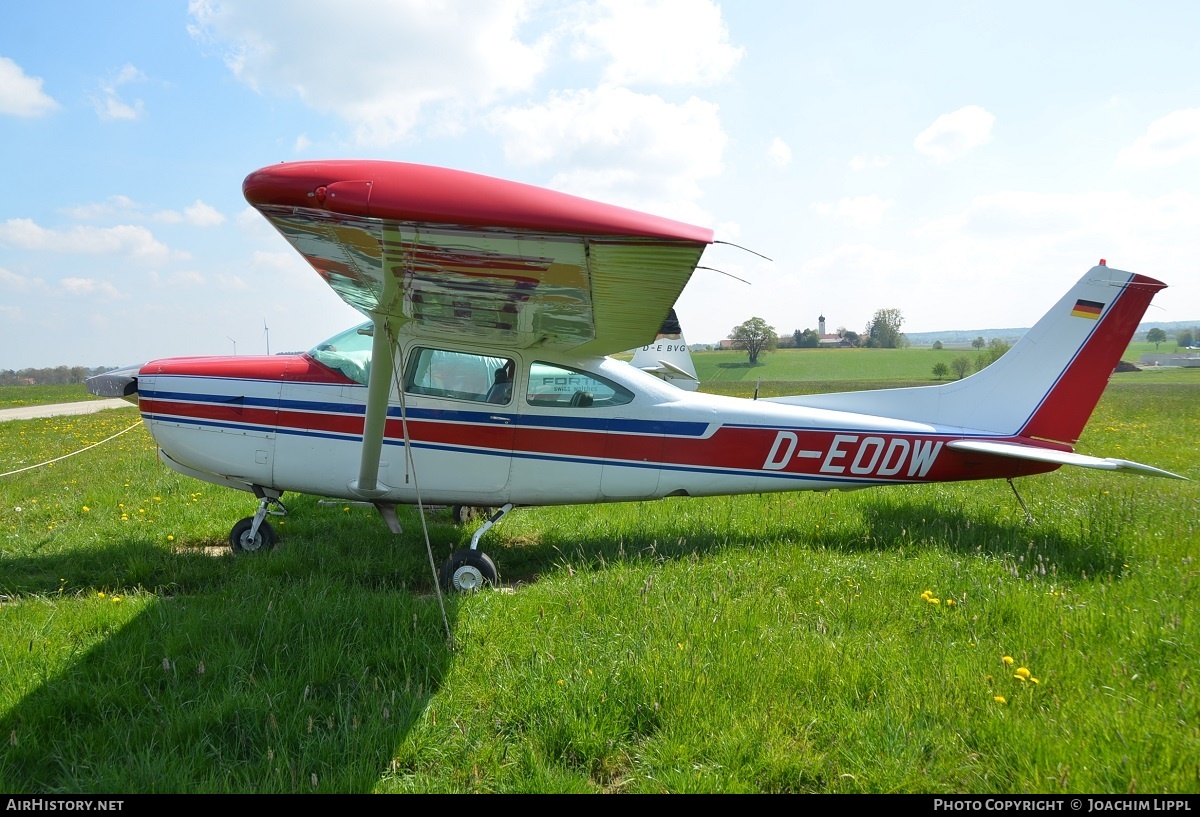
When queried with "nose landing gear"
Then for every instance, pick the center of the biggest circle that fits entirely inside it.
(254, 534)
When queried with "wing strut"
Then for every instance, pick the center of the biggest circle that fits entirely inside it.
(379, 387)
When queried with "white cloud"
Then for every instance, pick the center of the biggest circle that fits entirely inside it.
(378, 64)
(1172, 139)
(186, 278)
(615, 145)
(1037, 243)
(15, 283)
(22, 95)
(658, 42)
(953, 134)
(864, 162)
(113, 205)
(203, 215)
(89, 287)
(137, 243)
(779, 153)
(198, 214)
(858, 211)
(109, 104)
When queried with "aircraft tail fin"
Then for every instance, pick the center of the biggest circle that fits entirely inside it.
(668, 357)
(1045, 386)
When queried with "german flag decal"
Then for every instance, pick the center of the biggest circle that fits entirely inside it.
(1087, 309)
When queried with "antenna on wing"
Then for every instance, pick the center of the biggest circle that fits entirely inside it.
(740, 247)
(723, 272)
(747, 249)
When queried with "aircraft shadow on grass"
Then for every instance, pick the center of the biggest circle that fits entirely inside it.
(241, 678)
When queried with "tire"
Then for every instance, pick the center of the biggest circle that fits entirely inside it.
(240, 541)
(462, 514)
(467, 571)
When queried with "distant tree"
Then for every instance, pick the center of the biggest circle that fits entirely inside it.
(941, 371)
(979, 342)
(937, 344)
(756, 337)
(850, 337)
(961, 365)
(883, 331)
(996, 349)
(1156, 336)
(808, 339)
(1185, 339)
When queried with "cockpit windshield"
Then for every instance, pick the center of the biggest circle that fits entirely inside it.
(348, 352)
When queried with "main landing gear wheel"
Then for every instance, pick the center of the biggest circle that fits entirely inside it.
(241, 541)
(467, 571)
(462, 514)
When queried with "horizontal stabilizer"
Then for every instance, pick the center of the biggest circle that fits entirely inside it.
(1037, 454)
(668, 366)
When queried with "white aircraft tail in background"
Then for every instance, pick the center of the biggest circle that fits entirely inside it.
(668, 357)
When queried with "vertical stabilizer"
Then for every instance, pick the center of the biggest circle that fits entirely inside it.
(668, 357)
(1045, 386)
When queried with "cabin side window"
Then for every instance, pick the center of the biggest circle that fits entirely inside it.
(459, 376)
(348, 353)
(554, 386)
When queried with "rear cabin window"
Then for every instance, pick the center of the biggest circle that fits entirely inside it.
(459, 376)
(554, 386)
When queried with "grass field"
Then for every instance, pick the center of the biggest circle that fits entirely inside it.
(907, 639)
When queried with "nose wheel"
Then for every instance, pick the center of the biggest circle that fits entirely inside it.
(244, 539)
(471, 569)
(253, 534)
(467, 571)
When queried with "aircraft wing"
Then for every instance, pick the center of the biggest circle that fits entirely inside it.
(1038, 454)
(458, 254)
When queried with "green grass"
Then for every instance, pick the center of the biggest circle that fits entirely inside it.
(19, 396)
(862, 368)
(775, 643)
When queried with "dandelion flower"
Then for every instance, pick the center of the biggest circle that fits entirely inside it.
(86, 509)
(170, 538)
(100, 594)
(949, 602)
(1007, 659)
(932, 600)
(1023, 673)
(999, 699)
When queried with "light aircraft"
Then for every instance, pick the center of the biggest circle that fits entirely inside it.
(481, 377)
(667, 357)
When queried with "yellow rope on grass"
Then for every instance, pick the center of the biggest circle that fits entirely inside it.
(73, 453)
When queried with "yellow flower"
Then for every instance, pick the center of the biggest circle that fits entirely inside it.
(170, 538)
(933, 600)
(1035, 680)
(949, 602)
(86, 509)
(999, 699)
(1007, 659)
(100, 594)
(1023, 673)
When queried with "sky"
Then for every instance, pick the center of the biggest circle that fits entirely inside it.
(962, 162)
